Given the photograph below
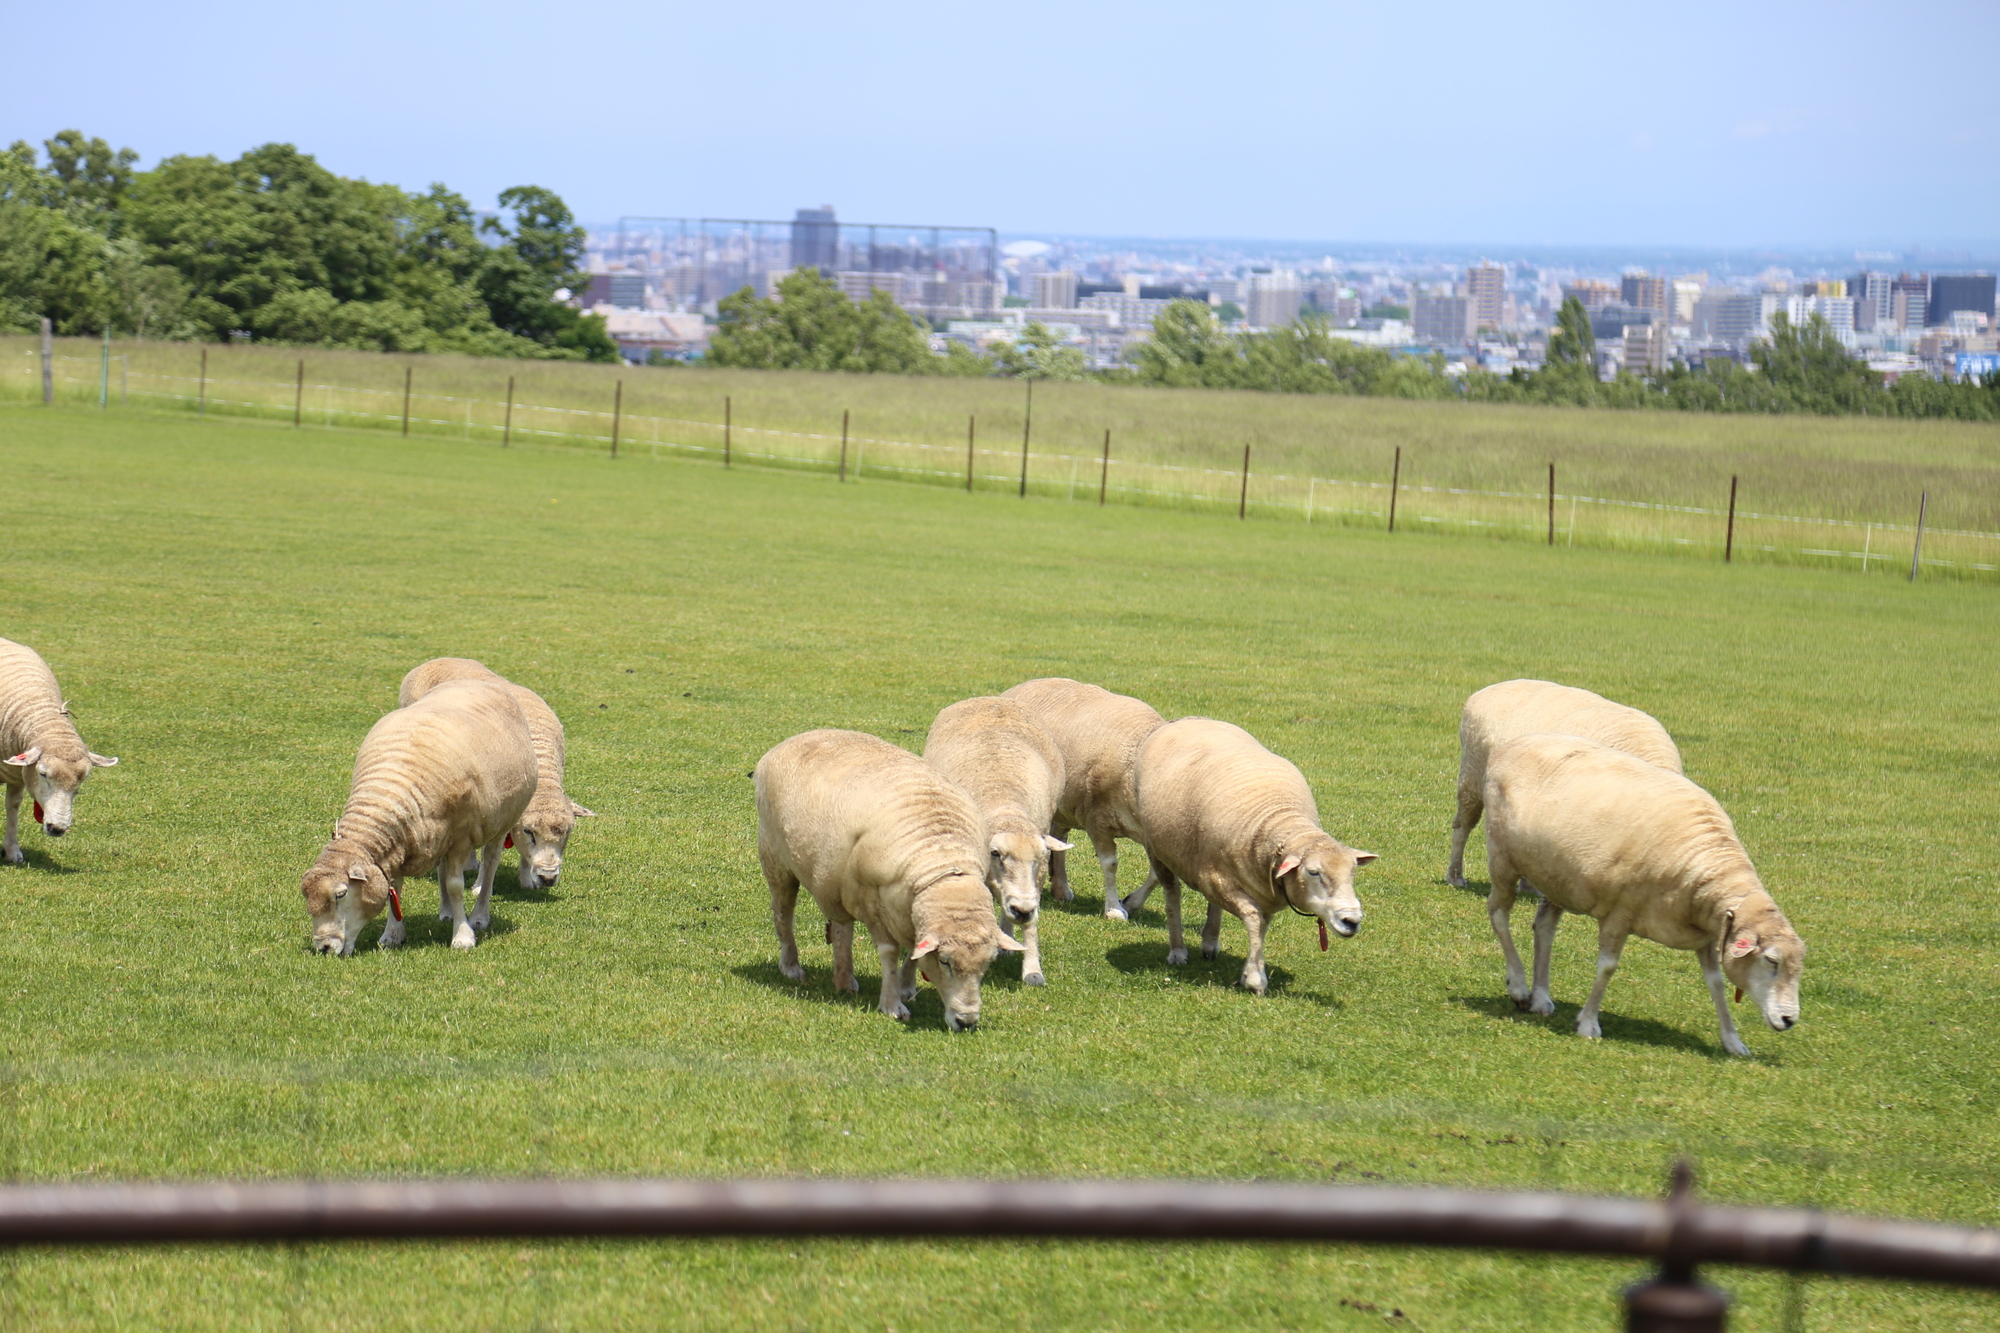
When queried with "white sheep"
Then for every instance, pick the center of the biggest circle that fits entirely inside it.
(433, 783)
(541, 839)
(1645, 851)
(1099, 734)
(1238, 824)
(1014, 774)
(49, 759)
(878, 836)
(1499, 713)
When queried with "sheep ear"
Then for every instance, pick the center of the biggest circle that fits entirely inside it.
(1287, 866)
(102, 761)
(1742, 945)
(358, 873)
(26, 757)
(1364, 858)
(1007, 943)
(924, 946)
(1055, 844)
(580, 812)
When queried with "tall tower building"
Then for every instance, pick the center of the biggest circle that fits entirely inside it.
(1055, 291)
(1275, 298)
(815, 239)
(1642, 291)
(1486, 287)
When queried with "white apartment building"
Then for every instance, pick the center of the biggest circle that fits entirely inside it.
(1274, 299)
(1054, 291)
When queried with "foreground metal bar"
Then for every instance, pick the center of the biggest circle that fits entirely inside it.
(1101, 1210)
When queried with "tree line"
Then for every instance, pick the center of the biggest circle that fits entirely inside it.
(274, 247)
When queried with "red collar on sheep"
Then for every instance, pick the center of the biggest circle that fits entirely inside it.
(395, 901)
(1286, 867)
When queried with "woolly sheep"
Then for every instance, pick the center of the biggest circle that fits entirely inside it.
(1099, 734)
(49, 759)
(433, 783)
(1012, 770)
(1645, 851)
(878, 836)
(1238, 824)
(541, 839)
(1499, 713)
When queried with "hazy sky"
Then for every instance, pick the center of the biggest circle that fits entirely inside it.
(1771, 122)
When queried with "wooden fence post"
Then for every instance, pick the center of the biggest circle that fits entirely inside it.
(1552, 504)
(201, 404)
(843, 444)
(1027, 421)
(1917, 551)
(408, 371)
(48, 362)
(971, 433)
(1729, 536)
(1104, 472)
(507, 426)
(617, 413)
(1395, 482)
(1243, 496)
(726, 423)
(299, 397)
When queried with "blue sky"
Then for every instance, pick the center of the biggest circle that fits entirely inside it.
(1830, 123)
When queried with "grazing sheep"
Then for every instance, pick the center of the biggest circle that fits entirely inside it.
(1014, 774)
(1238, 824)
(878, 836)
(434, 782)
(1499, 713)
(49, 759)
(1599, 831)
(542, 837)
(1099, 734)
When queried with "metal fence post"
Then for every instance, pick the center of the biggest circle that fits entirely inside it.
(299, 397)
(48, 363)
(1676, 1301)
(1104, 471)
(1395, 482)
(1552, 504)
(843, 444)
(408, 371)
(1917, 551)
(617, 414)
(726, 424)
(201, 403)
(1243, 495)
(507, 427)
(104, 372)
(971, 429)
(1027, 421)
(1729, 536)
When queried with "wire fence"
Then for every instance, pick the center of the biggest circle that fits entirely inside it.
(1122, 474)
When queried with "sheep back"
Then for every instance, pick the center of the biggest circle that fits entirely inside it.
(993, 748)
(1098, 734)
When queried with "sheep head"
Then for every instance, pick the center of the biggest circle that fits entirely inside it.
(1765, 957)
(1317, 877)
(344, 891)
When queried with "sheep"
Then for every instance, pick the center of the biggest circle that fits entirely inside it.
(1238, 824)
(433, 782)
(877, 835)
(1099, 734)
(1497, 714)
(1012, 770)
(542, 837)
(49, 759)
(1645, 851)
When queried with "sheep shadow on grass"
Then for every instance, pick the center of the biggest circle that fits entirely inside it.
(40, 862)
(1224, 971)
(926, 1010)
(1642, 1031)
(423, 930)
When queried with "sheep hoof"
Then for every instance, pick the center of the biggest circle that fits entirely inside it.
(1255, 985)
(1115, 911)
(900, 1013)
(796, 972)
(1734, 1045)
(1033, 979)
(481, 922)
(908, 993)
(17, 857)
(1541, 1004)
(1456, 881)
(1177, 957)
(1588, 1029)
(463, 938)
(1210, 950)
(1062, 892)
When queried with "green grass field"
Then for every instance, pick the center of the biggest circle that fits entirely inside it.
(229, 606)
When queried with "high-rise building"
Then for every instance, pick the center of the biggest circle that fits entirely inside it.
(1953, 292)
(1909, 301)
(1647, 347)
(626, 291)
(1274, 299)
(1872, 304)
(1643, 291)
(815, 239)
(1731, 317)
(1486, 288)
(1444, 319)
(1592, 292)
(1055, 291)
(1824, 287)
(1682, 296)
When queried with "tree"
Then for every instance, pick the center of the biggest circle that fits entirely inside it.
(1039, 355)
(539, 257)
(1809, 365)
(1188, 348)
(813, 326)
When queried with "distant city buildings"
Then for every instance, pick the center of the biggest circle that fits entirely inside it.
(1444, 318)
(1591, 293)
(1486, 288)
(1055, 291)
(1274, 299)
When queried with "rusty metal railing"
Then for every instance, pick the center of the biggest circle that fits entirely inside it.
(1677, 1232)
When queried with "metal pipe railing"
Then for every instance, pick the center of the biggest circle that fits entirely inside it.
(1681, 1232)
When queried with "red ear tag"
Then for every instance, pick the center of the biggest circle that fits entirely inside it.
(1322, 937)
(395, 902)
(1739, 995)
(509, 842)
(38, 812)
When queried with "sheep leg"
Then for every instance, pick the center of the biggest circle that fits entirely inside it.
(1254, 977)
(451, 885)
(1115, 908)
(15, 856)
(1170, 891)
(1059, 868)
(1718, 986)
(489, 868)
(907, 988)
(1471, 804)
(1211, 931)
(1610, 943)
(784, 887)
(1547, 917)
(891, 1002)
(843, 956)
(1031, 959)
(1500, 911)
(1135, 900)
(394, 932)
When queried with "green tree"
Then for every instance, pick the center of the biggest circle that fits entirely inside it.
(813, 326)
(1039, 355)
(1814, 371)
(538, 257)
(1188, 348)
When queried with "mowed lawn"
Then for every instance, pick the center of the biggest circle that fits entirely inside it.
(230, 606)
